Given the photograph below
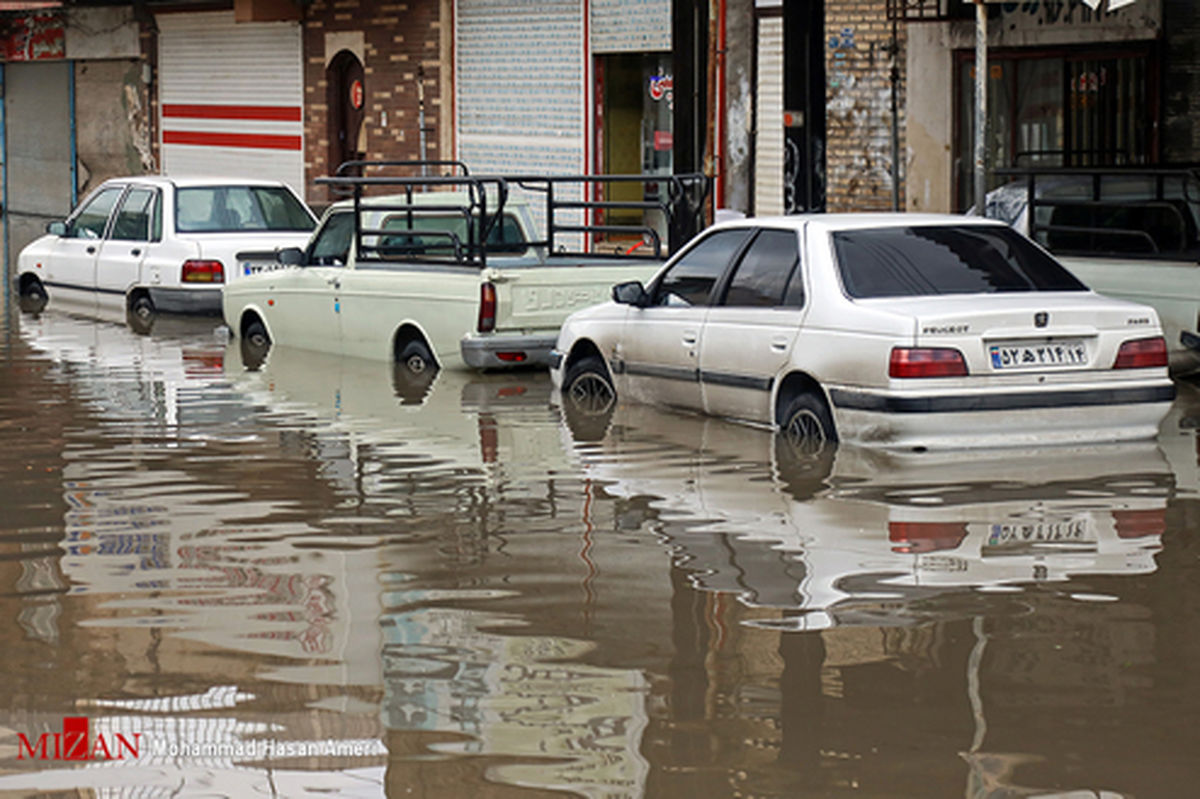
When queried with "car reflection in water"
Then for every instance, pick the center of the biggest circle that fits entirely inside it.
(996, 576)
(454, 461)
(846, 531)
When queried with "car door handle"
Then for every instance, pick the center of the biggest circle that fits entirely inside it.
(91, 250)
(135, 252)
(689, 337)
(335, 282)
(779, 344)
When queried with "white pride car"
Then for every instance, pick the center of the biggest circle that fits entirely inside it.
(902, 331)
(153, 243)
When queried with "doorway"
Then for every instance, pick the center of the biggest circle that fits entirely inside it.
(346, 99)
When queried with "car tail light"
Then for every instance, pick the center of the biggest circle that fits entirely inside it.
(1142, 353)
(487, 308)
(911, 538)
(926, 362)
(1140, 523)
(195, 271)
(511, 357)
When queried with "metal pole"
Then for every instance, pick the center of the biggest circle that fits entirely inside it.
(421, 118)
(981, 78)
(894, 47)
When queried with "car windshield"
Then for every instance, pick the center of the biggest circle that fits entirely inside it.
(945, 259)
(213, 209)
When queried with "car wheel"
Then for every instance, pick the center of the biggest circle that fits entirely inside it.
(32, 298)
(256, 335)
(34, 290)
(416, 357)
(255, 345)
(141, 314)
(807, 423)
(588, 398)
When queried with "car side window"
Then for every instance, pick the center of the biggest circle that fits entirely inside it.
(91, 219)
(136, 216)
(765, 270)
(690, 280)
(331, 247)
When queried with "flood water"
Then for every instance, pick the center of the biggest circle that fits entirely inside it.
(314, 578)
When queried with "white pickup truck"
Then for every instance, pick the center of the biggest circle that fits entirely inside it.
(451, 271)
(1128, 232)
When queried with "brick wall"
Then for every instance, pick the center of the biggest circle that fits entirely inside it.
(859, 113)
(399, 39)
(1181, 82)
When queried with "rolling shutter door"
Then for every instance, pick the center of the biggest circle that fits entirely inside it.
(768, 125)
(519, 87)
(231, 97)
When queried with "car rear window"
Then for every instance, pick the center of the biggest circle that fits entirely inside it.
(945, 259)
(219, 209)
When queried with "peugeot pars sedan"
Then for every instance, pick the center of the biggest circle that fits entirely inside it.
(904, 331)
(161, 244)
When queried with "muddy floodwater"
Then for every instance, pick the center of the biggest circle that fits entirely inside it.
(317, 578)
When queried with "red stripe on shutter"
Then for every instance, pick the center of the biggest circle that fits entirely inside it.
(253, 141)
(269, 113)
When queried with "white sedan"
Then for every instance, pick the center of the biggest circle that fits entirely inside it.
(155, 243)
(895, 330)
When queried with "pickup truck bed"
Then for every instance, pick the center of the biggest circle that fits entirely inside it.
(452, 271)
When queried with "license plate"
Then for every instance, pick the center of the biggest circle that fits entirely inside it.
(1071, 352)
(1019, 536)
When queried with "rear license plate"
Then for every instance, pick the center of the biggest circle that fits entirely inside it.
(1018, 537)
(1068, 352)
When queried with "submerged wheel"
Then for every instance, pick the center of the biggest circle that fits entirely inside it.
(33, 290)
(256, 334)
(142, 307)
(588, 399)
(807, 423)
(416, 357)
(588, 386)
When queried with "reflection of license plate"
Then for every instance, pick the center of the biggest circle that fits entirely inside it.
(1071, 352)
(1074, 532)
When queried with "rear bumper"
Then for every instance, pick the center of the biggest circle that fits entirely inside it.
(205, 300)
(507, 351)
(1000, 419)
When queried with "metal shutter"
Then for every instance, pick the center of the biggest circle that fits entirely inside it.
(231, 97)
(519, 83)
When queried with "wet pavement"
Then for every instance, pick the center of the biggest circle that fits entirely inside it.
(316, 578)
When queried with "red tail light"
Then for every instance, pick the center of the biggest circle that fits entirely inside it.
(911, 538)
(487, 308)
(195, 271)
(926, 362)
(1140, 523)
(1142, 353)
(511, 357)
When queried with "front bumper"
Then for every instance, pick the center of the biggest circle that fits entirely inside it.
(507, 352)
(206, 301)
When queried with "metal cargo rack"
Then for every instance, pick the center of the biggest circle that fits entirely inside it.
(680, 199)
(1145, 211)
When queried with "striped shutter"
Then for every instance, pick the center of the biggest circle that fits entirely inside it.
(768, 127)
(231, 97)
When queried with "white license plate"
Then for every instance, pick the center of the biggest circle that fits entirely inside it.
(1067, 352)
(1067, 533)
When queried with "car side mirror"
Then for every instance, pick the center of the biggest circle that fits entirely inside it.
(290, 256)
(57, 228)
(631, 293)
